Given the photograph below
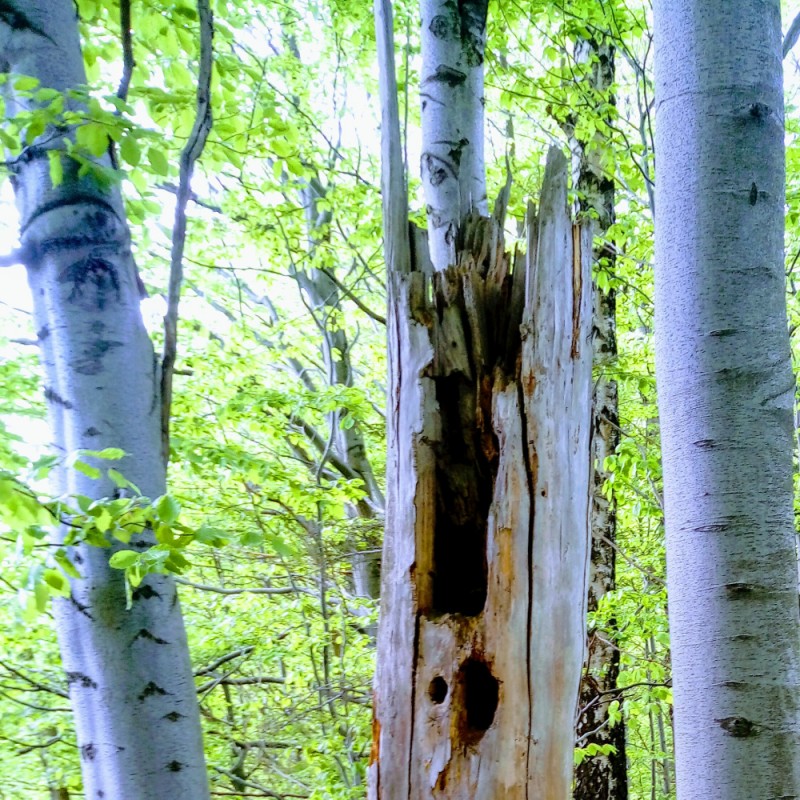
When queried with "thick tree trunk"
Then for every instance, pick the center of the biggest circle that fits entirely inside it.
(481, 636)
(129, 672)
(601, 776)
(725, 398)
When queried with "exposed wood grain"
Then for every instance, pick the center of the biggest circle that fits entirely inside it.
(483, 600)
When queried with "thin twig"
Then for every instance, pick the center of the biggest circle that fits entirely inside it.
(191, 153)
(220, 590)
(128, 62)
(258, 680)
(792, 35)
(242, 651)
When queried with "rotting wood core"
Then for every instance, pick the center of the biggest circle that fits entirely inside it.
(470, 316)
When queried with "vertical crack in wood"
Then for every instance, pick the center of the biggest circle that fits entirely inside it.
(528, 459)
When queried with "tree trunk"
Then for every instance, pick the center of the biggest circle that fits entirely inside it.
(129, 672)
(453, 171)
(325, 301)
(483, 594)
(725, 398)
(601, 776)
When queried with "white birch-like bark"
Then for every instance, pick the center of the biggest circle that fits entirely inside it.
(453, 168)
(129, 672)
(325, 300)
(725, 398)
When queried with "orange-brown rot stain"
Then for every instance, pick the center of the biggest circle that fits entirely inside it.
(375, 750)
(506, 560)
(577, 289)
(441, 781)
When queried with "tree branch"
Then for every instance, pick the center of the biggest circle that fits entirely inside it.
(128, 62)
(792, 35)
(191, 153)
(17, 256)
(257, 680)
(220, 590)
(242, 651)
(359, 304)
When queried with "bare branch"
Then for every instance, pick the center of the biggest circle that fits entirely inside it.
(191, 153)
(18, 256)
(792, 35)
(41, 687)
(128, 62)
(242, 651)
(221, 590)
(359, 304)
(256, 680)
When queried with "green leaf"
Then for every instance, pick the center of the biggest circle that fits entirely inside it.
(93, 137)
(123, 559)
(25, 83)
(280, 546)
(103, 520)
(56, 167)
(281, 148)
(121, 481)
(56, 580)
(86, 469)
(42, 595)
(107, 453)
(63, 561)
(168, 509)
(130, 151)
(158, 161)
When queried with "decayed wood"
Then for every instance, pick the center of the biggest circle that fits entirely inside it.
(484, 585)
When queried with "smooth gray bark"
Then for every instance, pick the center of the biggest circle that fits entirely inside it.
(129, 671)
(725, 399)
(325, 306)
(453, 169)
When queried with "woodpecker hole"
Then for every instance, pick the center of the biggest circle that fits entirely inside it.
(437, 691)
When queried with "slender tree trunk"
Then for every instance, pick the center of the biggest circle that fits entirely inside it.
(453, 169)
(600, 777)
(129, 672)
(725, 398)
(325, 299)
(483, 595)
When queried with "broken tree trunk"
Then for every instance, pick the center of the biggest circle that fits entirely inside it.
(483, 595)
(483, 601)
